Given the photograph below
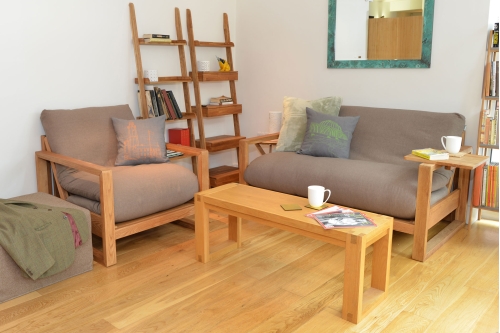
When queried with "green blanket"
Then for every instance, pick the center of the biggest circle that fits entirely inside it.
(39, 238)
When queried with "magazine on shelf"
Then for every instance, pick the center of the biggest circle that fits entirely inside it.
(340, 217)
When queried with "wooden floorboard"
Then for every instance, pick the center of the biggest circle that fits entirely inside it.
(277, 281)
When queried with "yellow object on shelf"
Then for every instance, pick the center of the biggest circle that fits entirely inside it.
(223, 65)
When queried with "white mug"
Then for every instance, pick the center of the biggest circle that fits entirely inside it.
(453, 143)
(315, 194)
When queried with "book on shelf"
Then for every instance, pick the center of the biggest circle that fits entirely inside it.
(493, 78)
(162, 108)
(431, 154)
(495, 35)
(154, 101)
(222, 103)
(157, 40)
(478, 185)
(173, 153)
(484, 185)
(170, 107)
(174, 104)
(156, 36)
(149, 103)
(220, 100)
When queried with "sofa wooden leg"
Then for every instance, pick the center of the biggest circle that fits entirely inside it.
(422, 212)
(108, 219)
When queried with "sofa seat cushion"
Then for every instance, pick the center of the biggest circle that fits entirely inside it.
(381, 188)
(139, 190)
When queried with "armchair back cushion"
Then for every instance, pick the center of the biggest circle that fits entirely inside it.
(86, 134)
(386, 135)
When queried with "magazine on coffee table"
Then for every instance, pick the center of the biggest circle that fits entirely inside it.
(339, 217)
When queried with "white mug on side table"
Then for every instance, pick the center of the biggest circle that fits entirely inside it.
(316, 194)
(453, 143)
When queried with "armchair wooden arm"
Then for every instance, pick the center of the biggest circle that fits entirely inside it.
(107, 218)
(244, 151)
(200, 162)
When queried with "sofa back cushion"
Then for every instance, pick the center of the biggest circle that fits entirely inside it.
(386, 135)
(86, 134)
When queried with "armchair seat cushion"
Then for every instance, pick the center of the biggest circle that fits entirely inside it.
(139, 190)
(382, 188)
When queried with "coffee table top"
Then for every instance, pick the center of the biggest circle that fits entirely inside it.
(252, 202)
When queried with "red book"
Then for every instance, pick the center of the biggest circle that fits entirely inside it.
(478, 185)
(170, 107)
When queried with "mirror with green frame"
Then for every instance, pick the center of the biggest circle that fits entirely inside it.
(380, 33)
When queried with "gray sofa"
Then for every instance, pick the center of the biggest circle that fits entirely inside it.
(376, 177)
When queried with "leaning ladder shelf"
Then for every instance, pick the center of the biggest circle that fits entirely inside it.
(184, 78)
(222, 174)
(486, 104)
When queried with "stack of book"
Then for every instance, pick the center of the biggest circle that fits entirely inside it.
(156, 38)
(489, 124)
(341, 217)
(222, 100)
(173, 153)
(485, 191)
(161, 102)
(431, 154)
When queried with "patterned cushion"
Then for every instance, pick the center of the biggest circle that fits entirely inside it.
(327, 136)
(140, 141)
(294, 119)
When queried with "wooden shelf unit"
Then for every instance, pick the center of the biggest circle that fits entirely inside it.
(486, 104)
(184, 78)
(222, 174)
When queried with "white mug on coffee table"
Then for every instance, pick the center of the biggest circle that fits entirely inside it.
(453, 143)
(316, 194)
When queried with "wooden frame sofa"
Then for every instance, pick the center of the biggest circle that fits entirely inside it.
(380, 127)
(104, 225)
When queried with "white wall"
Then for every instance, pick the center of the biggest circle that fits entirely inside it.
(72, 54)
(285, 55)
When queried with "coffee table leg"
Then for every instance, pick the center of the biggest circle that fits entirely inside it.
(381, 263)
(201, 230)
(234, 228)
(354, 270)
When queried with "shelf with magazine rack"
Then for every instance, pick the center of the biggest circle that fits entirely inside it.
(485, 181)
(145, 85)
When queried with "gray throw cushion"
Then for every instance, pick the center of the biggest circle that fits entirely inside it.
(140, 141)
(382, 188)
(139, 190)
(327, 136)
(294, 119)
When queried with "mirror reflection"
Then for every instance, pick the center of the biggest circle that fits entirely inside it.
(379, 29)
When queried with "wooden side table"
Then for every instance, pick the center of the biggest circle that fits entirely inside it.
(464, 164)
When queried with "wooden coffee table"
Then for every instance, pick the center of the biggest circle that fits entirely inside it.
(263, 206)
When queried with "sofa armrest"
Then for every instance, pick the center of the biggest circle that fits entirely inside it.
(244, 158)
(200, 162)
